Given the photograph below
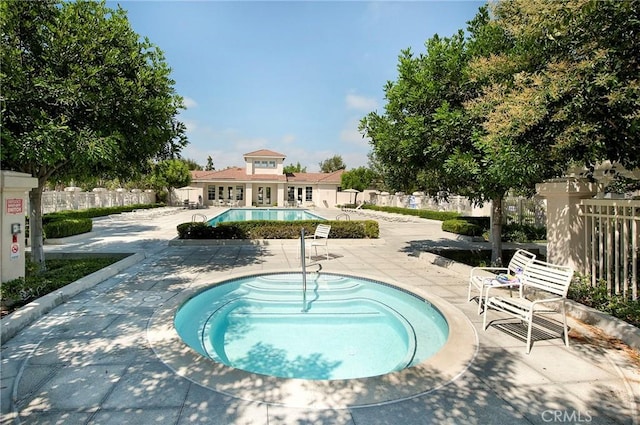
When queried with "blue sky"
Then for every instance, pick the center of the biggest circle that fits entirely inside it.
(292, 76)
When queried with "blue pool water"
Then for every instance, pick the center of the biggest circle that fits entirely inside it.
(348, 327)
(246, 214)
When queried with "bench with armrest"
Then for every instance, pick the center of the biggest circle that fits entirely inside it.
(542, 283)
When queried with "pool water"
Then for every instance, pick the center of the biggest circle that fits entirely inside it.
(346, 327)
(279, 214)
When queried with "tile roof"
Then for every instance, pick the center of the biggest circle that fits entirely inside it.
(266, 153)
(238, 174)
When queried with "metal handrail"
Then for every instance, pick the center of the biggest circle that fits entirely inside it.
(304, 270)
(193, 217)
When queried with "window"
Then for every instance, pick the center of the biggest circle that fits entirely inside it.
(265, 164)
(268, 199)
(308, 193)
(291, 193)
(211, 193)
(230, 193)
(221, 193)
(239, 193)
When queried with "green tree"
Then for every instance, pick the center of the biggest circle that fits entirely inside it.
(332, 164)
(209, 166)
(170, 174)
(426, 140)
(359, 179)
(532, 89)
(192, 165)
(289, 169)
(573, 90)
(82, 95)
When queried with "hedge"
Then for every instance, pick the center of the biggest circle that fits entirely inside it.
(462, 227)
(67, 223)
(266, 229)
(95, 212)
(428, 214)
(67, 227)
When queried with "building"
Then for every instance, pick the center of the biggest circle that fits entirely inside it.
(263, 183)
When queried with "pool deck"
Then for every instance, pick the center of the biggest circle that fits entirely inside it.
(92, 360)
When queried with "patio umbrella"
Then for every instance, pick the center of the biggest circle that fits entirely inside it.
(356, 191)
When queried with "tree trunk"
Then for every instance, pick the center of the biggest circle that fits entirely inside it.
(35, 225)
(496, 231)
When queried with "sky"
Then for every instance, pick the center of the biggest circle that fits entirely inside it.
(294, 77)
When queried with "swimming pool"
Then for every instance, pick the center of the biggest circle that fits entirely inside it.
(445, 366)
(346, 327)
(279, 214)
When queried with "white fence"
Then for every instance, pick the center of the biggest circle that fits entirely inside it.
(77, 200)
(612, 233)
(515, 209)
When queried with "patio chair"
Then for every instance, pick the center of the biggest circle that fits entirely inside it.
(482, 278)
(541, 283)
(320, 238)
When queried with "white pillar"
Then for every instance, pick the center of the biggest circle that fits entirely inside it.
(14, 188)
(565, 228)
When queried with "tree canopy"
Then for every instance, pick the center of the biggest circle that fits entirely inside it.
(531, 88)
(288, 169)
(359, 179)
(332, 164)
(82, 95)
(170, 174)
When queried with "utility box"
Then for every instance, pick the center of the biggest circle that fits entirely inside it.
(14, 189)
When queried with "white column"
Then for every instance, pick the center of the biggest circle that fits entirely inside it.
(565, 228)
(14, 188)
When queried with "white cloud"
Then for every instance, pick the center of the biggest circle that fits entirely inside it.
(360, 103)
(189, 103)
(351, 134)
(288, 139)
(192, 125)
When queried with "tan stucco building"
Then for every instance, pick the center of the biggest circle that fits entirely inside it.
(263, 183)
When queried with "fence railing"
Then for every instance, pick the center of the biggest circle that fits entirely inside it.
(76, 200)
(530, 211)
(612, 234)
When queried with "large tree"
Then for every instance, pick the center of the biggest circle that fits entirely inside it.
(289, 169)
(359, 179)
(82, 94)
(170, 174)
(534, 87)
(574, 83)
(332, 164)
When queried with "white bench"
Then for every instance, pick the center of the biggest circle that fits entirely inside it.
(550, 282)
(482, 278)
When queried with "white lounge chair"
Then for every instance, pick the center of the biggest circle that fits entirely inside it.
(542, 283)
(481, 278)
(320, 238)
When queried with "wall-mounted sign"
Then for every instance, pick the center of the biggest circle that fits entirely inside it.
(15, 252)
(14, 206)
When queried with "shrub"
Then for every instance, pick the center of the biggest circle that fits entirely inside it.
(95, 212)
(599, 298)
(523, 233)
(60, 272)
(265, 229)
(461, 227)
(67, 227)
(428, 214)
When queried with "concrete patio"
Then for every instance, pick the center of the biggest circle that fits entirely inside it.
(90, 360)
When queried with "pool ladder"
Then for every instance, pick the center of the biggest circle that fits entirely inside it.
(303, 259)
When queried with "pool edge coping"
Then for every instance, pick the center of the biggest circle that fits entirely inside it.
(453, 360)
